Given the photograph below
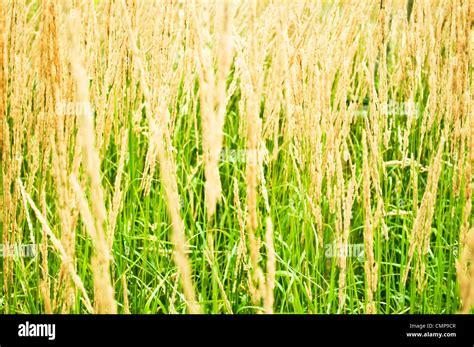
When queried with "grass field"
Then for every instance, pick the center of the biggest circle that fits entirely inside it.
(236, 157)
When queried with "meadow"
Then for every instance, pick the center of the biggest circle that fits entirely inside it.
(237, 157)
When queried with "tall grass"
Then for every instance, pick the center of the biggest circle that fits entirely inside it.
(237, 156)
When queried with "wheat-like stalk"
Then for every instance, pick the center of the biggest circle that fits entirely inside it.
(96, 218)
(167, 170)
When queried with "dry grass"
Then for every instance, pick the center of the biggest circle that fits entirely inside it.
(196, 156)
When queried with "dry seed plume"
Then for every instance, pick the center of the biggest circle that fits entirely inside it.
(168, 174)
(212, 92)
(96, 218)
(57, 244)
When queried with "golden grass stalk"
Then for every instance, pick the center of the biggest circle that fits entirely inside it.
(126, 305)
(271, 267)
(213, 96)
(95, 219)
(3, 90)
(57, 140)
(104, 301)
(420, 235)
(117, 198)
(252, 90)
(59, 248)
(242, 248)
(4, 148)
(347, 215)
(371, 267)
(465, 272)
(465, 265)
(168, 176)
